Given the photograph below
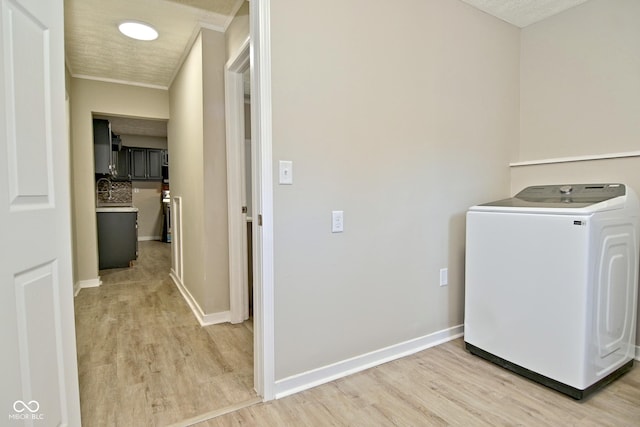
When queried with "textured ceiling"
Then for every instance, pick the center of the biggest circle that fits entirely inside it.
(96, 49)
(523, 12)
(132, 126)
(223, 7)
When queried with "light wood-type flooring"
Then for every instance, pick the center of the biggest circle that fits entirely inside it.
(443, 386)
(144, 360)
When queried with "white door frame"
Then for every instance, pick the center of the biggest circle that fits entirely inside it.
(255, 54)
(261, 135)
(236, 194)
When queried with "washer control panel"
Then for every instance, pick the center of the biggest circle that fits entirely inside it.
(566, 189)
(578, 193)
(565, 196)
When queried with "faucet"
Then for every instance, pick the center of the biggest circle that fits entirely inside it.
(108, 191)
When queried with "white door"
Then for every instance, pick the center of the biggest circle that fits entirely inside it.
(235, 125)
(37, 332)
(261, 134)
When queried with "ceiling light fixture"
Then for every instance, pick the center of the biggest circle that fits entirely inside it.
(138, 30)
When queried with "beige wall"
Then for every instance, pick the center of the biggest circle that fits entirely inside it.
(89, 97)
(580, 91)
(581, 95)
(216, 226)
(185, 136)
(74, 249)
(402, 115)
(238, 31)
(197, 165)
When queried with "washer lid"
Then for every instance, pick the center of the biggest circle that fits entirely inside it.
(572, 196)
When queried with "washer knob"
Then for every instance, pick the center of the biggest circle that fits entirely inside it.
(566, 189)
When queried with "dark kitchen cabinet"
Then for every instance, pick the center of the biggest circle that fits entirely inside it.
(117, 238)
(146, 164)
(102, 146)
(121, 168)
(138, 164)
(154, 164)
(116, 142)
(110, 159)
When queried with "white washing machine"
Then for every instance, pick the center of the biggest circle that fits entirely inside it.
(551, 284)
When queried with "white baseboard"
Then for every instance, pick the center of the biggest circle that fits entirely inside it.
(147, 238)
(203, 319)
(91, 283)
(325, 374)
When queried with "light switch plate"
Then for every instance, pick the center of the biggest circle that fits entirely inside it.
(337, 221)
(286, 172)
(444, 276)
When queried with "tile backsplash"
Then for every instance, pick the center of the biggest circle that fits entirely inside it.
(121, 193)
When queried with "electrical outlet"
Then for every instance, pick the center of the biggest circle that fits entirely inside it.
(444, 276)
(337, 221)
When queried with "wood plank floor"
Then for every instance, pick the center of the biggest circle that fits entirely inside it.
(443, 386)
(143, 359)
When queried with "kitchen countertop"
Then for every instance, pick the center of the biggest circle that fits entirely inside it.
(116, 209)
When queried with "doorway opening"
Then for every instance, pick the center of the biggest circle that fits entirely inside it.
(239, 183)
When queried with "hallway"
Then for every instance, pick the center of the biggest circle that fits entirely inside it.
(143, 359)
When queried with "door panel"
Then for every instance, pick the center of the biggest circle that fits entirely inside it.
(39, 371)
(37, 293)
(138, 164)
(154, 164)
(27, 111)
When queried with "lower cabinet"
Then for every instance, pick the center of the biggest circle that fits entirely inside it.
(117, 238)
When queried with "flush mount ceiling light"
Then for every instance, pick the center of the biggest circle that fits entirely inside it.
(138, 30)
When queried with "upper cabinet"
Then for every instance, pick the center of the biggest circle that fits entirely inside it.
(102, 146)
(138, 163)
(121, 160)
(146, 164)
(154, 164)
(110, 157)
(125, 163)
